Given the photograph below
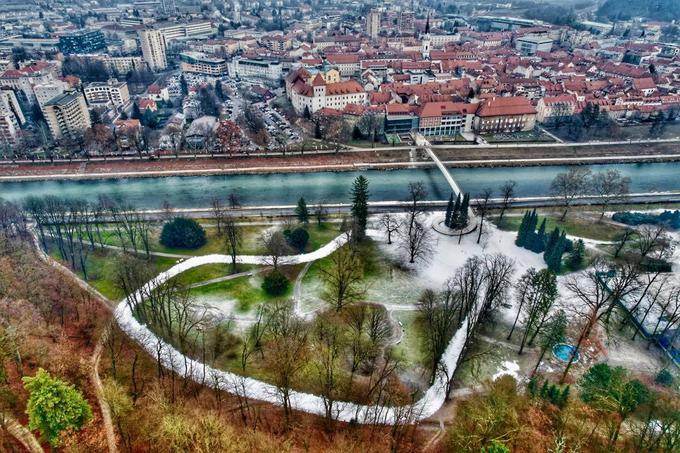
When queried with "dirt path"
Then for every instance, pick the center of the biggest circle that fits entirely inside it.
(111, 439)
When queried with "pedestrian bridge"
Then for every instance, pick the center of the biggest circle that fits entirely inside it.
(421, 141)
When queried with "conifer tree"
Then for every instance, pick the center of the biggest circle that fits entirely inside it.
(577, 255)
(360, 206)
(464, 215)
(522, 232)
(449, 211)
(301, 211)
(455, 214)
(552, 241)
(538, 244)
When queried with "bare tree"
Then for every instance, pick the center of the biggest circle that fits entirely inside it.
(390, 223)
(288, 352)
(570, 185)
(320, 213)
(343, 278)
(508, 194)
(417, 242)
(440, 313)
(498, 271)
(653, 242)
(482, 209)
(327, 353)
(219, 213)
(622, 240)
(610, 187)
(416, 194)
(275, 246)
(233, 238)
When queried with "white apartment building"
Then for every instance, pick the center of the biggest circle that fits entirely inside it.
(258, 69)
(47, 91)
(373, 24)
(123, 65)
(153, 49)
(67, 115)
(11, 117)
(199, 63)
(201, 29)
(104, 92)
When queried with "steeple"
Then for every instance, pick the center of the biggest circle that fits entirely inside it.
(427, 24)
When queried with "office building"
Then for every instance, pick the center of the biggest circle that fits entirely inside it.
(199, 63)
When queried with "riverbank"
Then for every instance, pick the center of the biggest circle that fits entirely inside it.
(374, 159)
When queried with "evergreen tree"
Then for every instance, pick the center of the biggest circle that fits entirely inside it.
(359, 206)
(538, 241)
(552, 241)
(219, 91)
(317, 130)
(136, 113)
(301, 211)
(464, 215)
(123, 115)
(449, 211)
(522, 232)
(455, 214)
(554, 258)
(184, 87)
(577, 255)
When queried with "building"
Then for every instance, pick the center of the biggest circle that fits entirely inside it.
(400, 119)
(553, 108)
(199, 63)
(189, 30)
(67, 115)
(112, 91)
(277, 43)
(124, 65)
(82, 42)
(153, 49)
(246, 68)
(348, 64)
(311, 94)
(446, 118)
(504, 115)
(373, 24)
(11, 117)
(45, 92)
(530, 44)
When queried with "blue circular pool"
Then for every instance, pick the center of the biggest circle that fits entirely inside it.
(564, 351)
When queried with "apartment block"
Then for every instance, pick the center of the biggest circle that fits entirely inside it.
(67, 115)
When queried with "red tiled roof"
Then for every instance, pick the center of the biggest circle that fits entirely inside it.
(644, 84)
(504, 106)
(347, 87)
(342, 58)
(318, 81)
(437, 109)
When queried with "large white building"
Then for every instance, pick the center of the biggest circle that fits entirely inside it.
(199, 29)
(245, 68)
(67, 115)
(314, 93)
(199, 63)
(153, 49)
(11, 117)
(112, 91)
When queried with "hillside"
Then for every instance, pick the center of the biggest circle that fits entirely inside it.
(664, 10)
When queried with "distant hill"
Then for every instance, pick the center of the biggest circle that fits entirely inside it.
(664, 10)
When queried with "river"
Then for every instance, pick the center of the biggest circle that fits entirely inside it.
(331, 187)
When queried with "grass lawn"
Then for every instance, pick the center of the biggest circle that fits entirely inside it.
(575, 226)
(101, 269)
(245, 291)
(319, 235)
(412, 349)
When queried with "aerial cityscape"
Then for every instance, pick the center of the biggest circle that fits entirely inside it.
(340, 226)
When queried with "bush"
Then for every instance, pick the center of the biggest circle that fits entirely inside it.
(664, 378)
(670, 218)
(183, 233)
(298, 239)
(275, 283)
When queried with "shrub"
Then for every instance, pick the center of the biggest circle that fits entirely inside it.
(183, 233)
(275, 283)
(298, 239)
(664, 378)
(670, 218)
